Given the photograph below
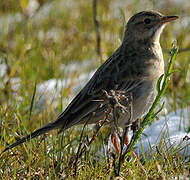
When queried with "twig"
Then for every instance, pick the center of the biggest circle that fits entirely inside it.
(81, 149)
(113, 100)
(80, 144)
(98, 30)
(119, 103)
(95, 134)
(122, 142)
(114, 165)
(117, 109)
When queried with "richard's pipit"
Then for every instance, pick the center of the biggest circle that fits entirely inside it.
(133, 68)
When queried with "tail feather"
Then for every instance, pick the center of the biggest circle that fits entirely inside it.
(36, 133)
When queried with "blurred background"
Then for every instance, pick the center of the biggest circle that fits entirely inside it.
(50, 48)
(39, 38)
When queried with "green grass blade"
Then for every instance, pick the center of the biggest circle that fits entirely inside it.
(32, 101)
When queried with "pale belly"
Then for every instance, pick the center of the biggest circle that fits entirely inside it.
(142, 101)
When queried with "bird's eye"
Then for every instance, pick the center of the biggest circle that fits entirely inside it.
(147, 21)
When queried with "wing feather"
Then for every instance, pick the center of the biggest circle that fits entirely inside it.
(107, 77)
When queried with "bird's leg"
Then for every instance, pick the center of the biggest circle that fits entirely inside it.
(123, 140)
(126, 138)
(115, 141)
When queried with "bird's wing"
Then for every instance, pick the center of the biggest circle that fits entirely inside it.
(114, 72)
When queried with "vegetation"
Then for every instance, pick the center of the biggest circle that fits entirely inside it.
(37, 45)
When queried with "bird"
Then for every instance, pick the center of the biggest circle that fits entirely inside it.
(134, 68)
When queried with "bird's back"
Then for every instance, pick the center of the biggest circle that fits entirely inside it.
(130, 69)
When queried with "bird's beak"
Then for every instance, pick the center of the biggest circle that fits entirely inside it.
(166, 19)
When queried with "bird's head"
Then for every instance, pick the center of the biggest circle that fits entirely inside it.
(146, 25)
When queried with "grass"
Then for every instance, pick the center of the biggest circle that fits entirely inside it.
(35, 54)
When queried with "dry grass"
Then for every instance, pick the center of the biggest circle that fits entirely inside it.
(36, 47)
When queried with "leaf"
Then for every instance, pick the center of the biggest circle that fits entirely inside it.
(159, 83)
(173, 71)
(32, 101)
(162, 106)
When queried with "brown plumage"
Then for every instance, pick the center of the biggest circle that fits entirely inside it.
(133, 68)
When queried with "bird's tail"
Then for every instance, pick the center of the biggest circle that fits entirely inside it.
(42, 130)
